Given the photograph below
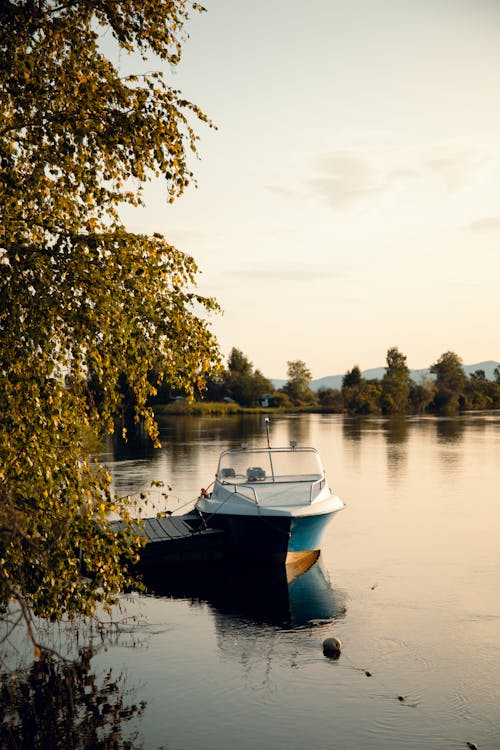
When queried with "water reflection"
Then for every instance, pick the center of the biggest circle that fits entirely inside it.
(396, 436)
(396, 430)
(299, 430)
(450, 430)
(353, 428)
(259, 596)
(66, 706)
(187, 440)
(191, 430)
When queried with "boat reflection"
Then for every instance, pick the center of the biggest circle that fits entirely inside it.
(273, 596)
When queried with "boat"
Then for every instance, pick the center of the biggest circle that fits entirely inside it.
(273, 504)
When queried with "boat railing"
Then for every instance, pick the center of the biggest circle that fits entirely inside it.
(318, 485)
(239, 487)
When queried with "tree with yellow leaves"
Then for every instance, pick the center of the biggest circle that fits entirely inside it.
(80, 294)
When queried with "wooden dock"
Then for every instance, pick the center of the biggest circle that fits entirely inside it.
(173, 541)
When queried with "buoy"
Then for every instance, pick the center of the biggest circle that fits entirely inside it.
(332, 647)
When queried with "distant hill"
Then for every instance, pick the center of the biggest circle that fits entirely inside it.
(335, 381)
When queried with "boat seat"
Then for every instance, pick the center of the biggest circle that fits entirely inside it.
(225, 473)
(255, 474)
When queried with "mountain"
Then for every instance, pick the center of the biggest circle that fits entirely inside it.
(335, 381)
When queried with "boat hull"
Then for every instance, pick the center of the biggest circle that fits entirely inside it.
(271, 538)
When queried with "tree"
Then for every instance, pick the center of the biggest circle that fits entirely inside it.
(421, 394)
(449, 372)
(330, 399)
(297, 388)
(450, 383)
(395, 383)
(241, 382)
(360, 396)
(352, 378)
(239, 363)
(363, 399)
(81, 296)
(478, 375)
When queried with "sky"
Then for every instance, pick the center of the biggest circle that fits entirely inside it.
(349, 200)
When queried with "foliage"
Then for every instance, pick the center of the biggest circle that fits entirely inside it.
(421, 394)
(239, 363)
(364, 398)
(395, 393)
(81, 298)
(395, 383)
(331, 399)
(360, 396)
(482, 394)
(450, 382)
(449, 372)
(352, 378)
(242, 383)
(297, 388)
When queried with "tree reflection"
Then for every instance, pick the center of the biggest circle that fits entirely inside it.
(64, 705)
(450, 430)
(299, 430)
(191, 429)
(396, 430)
(352, 428)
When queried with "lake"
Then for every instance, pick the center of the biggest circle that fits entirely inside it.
(408, 580)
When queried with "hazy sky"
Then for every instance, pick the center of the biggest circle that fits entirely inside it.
(350, 199)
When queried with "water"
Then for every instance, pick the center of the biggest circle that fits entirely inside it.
(408, 580)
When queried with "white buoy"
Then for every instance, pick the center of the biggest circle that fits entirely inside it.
(332, 647)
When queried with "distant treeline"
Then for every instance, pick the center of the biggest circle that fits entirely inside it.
(448, 393)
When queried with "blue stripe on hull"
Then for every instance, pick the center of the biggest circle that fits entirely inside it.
(307, 531)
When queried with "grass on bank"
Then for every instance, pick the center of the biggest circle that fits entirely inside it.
(221, 408)
(206, 408)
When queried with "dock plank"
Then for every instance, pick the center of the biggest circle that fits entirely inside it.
(153, 529)
(174, 527)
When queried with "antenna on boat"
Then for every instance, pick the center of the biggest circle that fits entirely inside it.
(266, 420)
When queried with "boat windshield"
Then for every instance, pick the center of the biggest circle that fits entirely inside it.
(270, 465)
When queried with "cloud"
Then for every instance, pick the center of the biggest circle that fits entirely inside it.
(455, 169)
(287, 272)
(346, 178)
(488, 224)
(285, 191)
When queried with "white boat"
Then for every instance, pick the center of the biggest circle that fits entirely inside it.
(271, 503)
